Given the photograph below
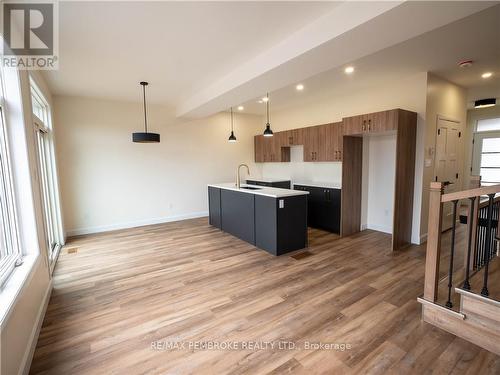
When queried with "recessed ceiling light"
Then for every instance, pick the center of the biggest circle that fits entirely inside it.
(487, 75)
(299, 87)
(265, 99)
(241, 108)
(349, 70)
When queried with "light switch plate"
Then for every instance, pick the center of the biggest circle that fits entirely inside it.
(281, 203)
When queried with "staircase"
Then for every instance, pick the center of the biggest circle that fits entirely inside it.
(472, 307)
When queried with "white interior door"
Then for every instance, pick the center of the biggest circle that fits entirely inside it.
(447, 162)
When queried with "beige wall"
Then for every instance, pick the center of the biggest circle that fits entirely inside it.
(448, 100)
(19, 330)
(408, 93)
(109, 182)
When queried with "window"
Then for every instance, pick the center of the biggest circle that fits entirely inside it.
(10, 254)
(47, 174)
(487, 125)
(490, 161)
(486, 151)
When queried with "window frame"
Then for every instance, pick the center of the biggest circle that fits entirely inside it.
(12, 255)
(47, 173)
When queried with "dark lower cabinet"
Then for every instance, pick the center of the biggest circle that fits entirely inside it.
(237, 214)
(276, 184)
(323, 207)
(280, 223)
(214, 213)
(277, 225)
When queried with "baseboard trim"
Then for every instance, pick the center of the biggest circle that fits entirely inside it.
(379, 228)
(28, 356)
(134, 224)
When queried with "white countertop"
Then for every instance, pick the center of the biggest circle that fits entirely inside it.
(270, 180)
(326, 185)
(266, 191)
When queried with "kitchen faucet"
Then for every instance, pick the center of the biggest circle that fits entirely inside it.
(238, 183)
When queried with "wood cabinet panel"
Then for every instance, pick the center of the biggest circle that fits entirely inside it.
(259, 148)
(334, 142)
(353, 125)
(315, 143)
(371, 122)
(381, 121)
(270, 149)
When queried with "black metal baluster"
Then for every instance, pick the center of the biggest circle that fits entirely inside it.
(452, 253)
(469, 246)
(484, 291)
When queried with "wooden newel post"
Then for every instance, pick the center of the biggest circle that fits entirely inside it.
(433, 242)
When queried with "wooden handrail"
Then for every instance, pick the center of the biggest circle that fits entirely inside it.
(485, 190)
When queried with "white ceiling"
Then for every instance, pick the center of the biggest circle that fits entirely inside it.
(203, 57)
(476, 37)
(107, 47)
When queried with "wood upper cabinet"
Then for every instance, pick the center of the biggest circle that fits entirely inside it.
(334, 136)
(353, 125)
(259, 148)
(325, 142)
(371, 122)
(315, 143)
(270, 149)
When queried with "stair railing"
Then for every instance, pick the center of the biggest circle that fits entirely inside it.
(476, 205)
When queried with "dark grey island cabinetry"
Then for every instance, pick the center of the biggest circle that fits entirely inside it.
(272, 219)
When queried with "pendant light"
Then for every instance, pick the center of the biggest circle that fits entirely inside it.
(145, 137)
(232, 138)
(268, 132)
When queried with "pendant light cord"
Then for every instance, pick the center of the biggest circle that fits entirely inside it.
(231, 119)
(145, 116)
(267, 107)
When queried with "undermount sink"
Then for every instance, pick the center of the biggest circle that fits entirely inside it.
(250, 188)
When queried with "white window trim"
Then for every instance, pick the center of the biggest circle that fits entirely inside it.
(46, 127)
(7, 188)
(15, 285)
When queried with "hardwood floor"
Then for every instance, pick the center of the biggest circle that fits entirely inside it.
(116, 293)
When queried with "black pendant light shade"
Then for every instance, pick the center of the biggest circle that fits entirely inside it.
(484, 103)
(268, 132)
(145, 137)
(232, 138)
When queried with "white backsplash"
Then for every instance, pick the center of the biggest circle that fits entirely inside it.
(299, 171)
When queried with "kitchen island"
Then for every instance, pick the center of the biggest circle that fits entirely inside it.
(272, 219)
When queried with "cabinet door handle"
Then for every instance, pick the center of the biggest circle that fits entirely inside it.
(369, 125)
